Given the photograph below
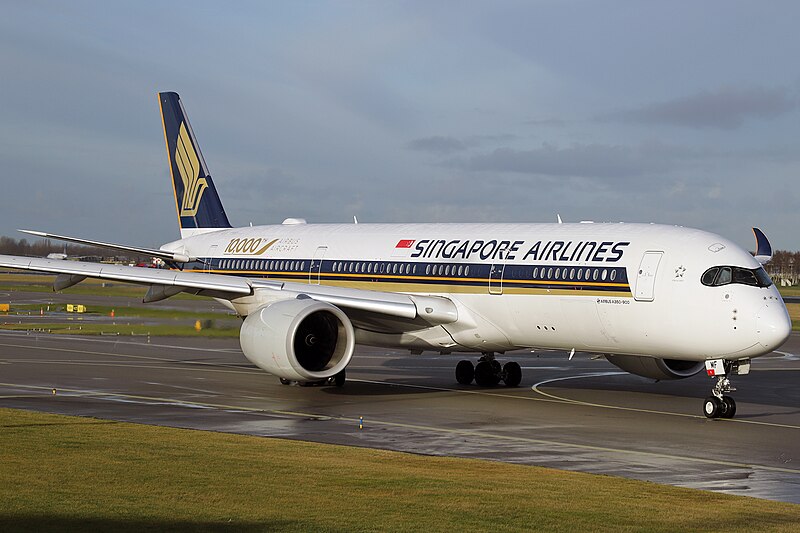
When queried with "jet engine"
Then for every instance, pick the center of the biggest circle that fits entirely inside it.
(301, 339)
(651, 367)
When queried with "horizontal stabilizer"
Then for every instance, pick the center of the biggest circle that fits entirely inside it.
(161, 254)
(763, 247)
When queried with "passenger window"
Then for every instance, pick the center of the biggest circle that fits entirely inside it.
(427, 270)
(613, 275)
(603, 276)
(580, 274)
(466, 271)
(571, 273)
(460, 270)
(535, 273)
(594, 275)
(549, 273)
(558, 273)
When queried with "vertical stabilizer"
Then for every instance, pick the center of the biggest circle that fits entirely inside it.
(196, 200)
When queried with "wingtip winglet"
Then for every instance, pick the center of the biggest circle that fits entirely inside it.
(763, 247)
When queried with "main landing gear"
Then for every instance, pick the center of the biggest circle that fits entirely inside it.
(719, 404)
(336, 380)
(488, 372)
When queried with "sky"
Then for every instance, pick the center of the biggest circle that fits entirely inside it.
(677, 112)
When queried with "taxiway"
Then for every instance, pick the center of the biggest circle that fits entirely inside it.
(582, 415)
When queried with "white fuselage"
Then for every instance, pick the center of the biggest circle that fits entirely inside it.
(630, 289)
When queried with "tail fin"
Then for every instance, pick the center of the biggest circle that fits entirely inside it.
(196, 199)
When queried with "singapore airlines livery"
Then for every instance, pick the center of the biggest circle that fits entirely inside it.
(664, 302)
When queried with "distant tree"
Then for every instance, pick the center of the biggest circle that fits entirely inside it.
(784, 265)
(43, 247)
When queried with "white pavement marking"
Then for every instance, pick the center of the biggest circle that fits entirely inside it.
(536, 389)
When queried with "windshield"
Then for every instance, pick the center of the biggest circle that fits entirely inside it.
(725, 275)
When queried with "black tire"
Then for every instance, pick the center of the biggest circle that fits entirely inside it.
(712, 407)
(496, 366)
(285, 381)
(340, 378)
(465, 372)
(485, 375)
(512, 374)
(730, 407)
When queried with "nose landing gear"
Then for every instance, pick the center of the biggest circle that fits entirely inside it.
(719, 404)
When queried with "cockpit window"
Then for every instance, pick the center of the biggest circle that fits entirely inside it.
(725, 275)
(709, 275)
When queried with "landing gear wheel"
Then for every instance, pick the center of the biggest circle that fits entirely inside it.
(340, 378)
(729, 407)
(711, 407)
(465, 372)
(285, 381)
(512, 374)
(485, 374)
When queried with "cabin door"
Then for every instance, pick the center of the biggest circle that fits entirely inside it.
(209, 266)
(496, 272)
(316, 265)
(646, 277)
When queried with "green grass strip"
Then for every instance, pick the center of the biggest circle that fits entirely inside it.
(141, 311)
(78, 474)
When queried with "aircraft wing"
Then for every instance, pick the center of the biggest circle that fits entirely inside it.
(161, 254)
(424, 310)
(78, 271)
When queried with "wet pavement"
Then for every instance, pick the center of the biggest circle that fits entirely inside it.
(582, 415)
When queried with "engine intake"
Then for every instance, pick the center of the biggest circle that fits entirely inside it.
(654, 368)
(302, 339)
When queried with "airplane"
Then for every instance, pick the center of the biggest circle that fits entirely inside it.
(659, 301)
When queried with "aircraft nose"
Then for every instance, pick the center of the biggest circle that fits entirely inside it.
(773, 325)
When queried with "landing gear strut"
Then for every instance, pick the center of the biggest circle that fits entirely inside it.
(488, 372)
(719, 404)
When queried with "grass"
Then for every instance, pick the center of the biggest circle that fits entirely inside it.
(88, 328)
(143, 311)
(794, 290)
(794, 314)
(89, 286)
(75, 474)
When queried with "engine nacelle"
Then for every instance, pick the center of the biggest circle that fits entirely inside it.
(651, 367)
(302, 339)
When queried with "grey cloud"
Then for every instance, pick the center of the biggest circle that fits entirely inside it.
(437, 144)
(722, 109)
(580, 160)
(547, 122)
(441, 144)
